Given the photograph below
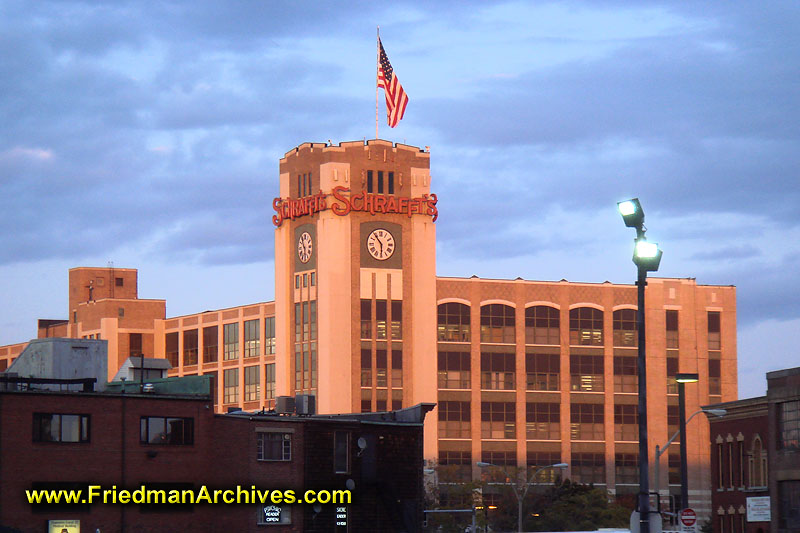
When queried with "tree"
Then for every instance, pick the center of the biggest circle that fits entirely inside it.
(576, 507)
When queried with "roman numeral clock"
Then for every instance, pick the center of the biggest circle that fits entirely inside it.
(380, 244)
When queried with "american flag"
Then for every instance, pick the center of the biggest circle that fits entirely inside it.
(396, 98)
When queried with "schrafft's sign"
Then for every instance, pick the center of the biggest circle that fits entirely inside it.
(341, 203)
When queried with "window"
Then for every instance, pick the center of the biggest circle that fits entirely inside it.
(543, 421)
(789, 505)
(370, 188)
(543, 371)
(269, 381)
(454, 420)
(625, 330)
(230, 341)
(714, 379)
(391, 182)
(453, 322)
(397, 320)
(380, 319)
(252, 385)
(626, 373)
(252, 340)
(788, 416)
(674, 467)
(380, 368)
(537, 460)
(313, 277)
(49, 427)
(672, 371)
(380, 182)
(274, 446)
(190, 347)
(269, 335)
(714, 342)
(454, 370)
(171, 342)
(497, 324)
(210, 344)
(758, 465)
(588, 467)
(497, 371)
(586, 326)
(166, 430)
(397, 369)
(672, 328)
(366, 367)
(626, 422)
(121, 312)
(119, 282)
(626, 468)
(366, 319)
(455, 466)
(673, 421)
(498, 420)
(135, 345)
(542, 325)
(231, 386)
(586, 373)
(341, 452)
(586, 421)
(506, 460)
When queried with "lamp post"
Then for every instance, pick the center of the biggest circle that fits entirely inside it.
(682, 380)
(682, 433)
(521, 492)
(647, 257)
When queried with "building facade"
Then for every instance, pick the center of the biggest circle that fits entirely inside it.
(525, 373)
(167, 441)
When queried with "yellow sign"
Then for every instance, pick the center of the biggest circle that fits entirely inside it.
(63, 526)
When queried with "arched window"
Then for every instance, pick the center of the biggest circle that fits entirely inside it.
(453, 322)
(542, 325)
(497, 323)
(586, 326)
(625, 328)
(758, 464)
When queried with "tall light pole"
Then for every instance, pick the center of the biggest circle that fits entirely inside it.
(521, 492)
(647, 257)
(661, 450)
(682, 380)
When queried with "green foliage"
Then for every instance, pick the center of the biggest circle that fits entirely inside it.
(575, 507)
(706, 527)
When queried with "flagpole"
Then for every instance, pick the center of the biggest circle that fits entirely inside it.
(377, 66)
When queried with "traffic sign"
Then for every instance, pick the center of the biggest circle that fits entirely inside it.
(688, 520)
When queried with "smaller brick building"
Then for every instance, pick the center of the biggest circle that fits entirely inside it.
(69, 440)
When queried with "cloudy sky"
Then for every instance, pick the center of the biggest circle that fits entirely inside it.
(149, 133)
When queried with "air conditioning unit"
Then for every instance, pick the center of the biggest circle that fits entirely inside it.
(284, 405)
(306, 404)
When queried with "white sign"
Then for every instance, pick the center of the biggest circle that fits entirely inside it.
(688, 520)
(758, 509)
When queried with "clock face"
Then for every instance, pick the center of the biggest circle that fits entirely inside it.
(304, 247)
(380, 244)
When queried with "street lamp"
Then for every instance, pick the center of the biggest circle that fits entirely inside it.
(647, 258)
(682, 380)
(521, 492)
(682, 432)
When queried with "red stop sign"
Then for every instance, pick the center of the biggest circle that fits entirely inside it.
(688, 517)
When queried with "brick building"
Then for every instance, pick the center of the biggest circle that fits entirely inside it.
(525, 373)
(51, 440)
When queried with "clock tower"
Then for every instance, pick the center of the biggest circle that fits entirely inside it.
(355, 293)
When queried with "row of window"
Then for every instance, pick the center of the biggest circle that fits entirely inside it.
(542, 421)
(739, 465)
(230, 342)
(384, 324)
(63, 427)
(252, 384)
(379, 373)
(456, 466)
(277, 446)
(543, 324)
